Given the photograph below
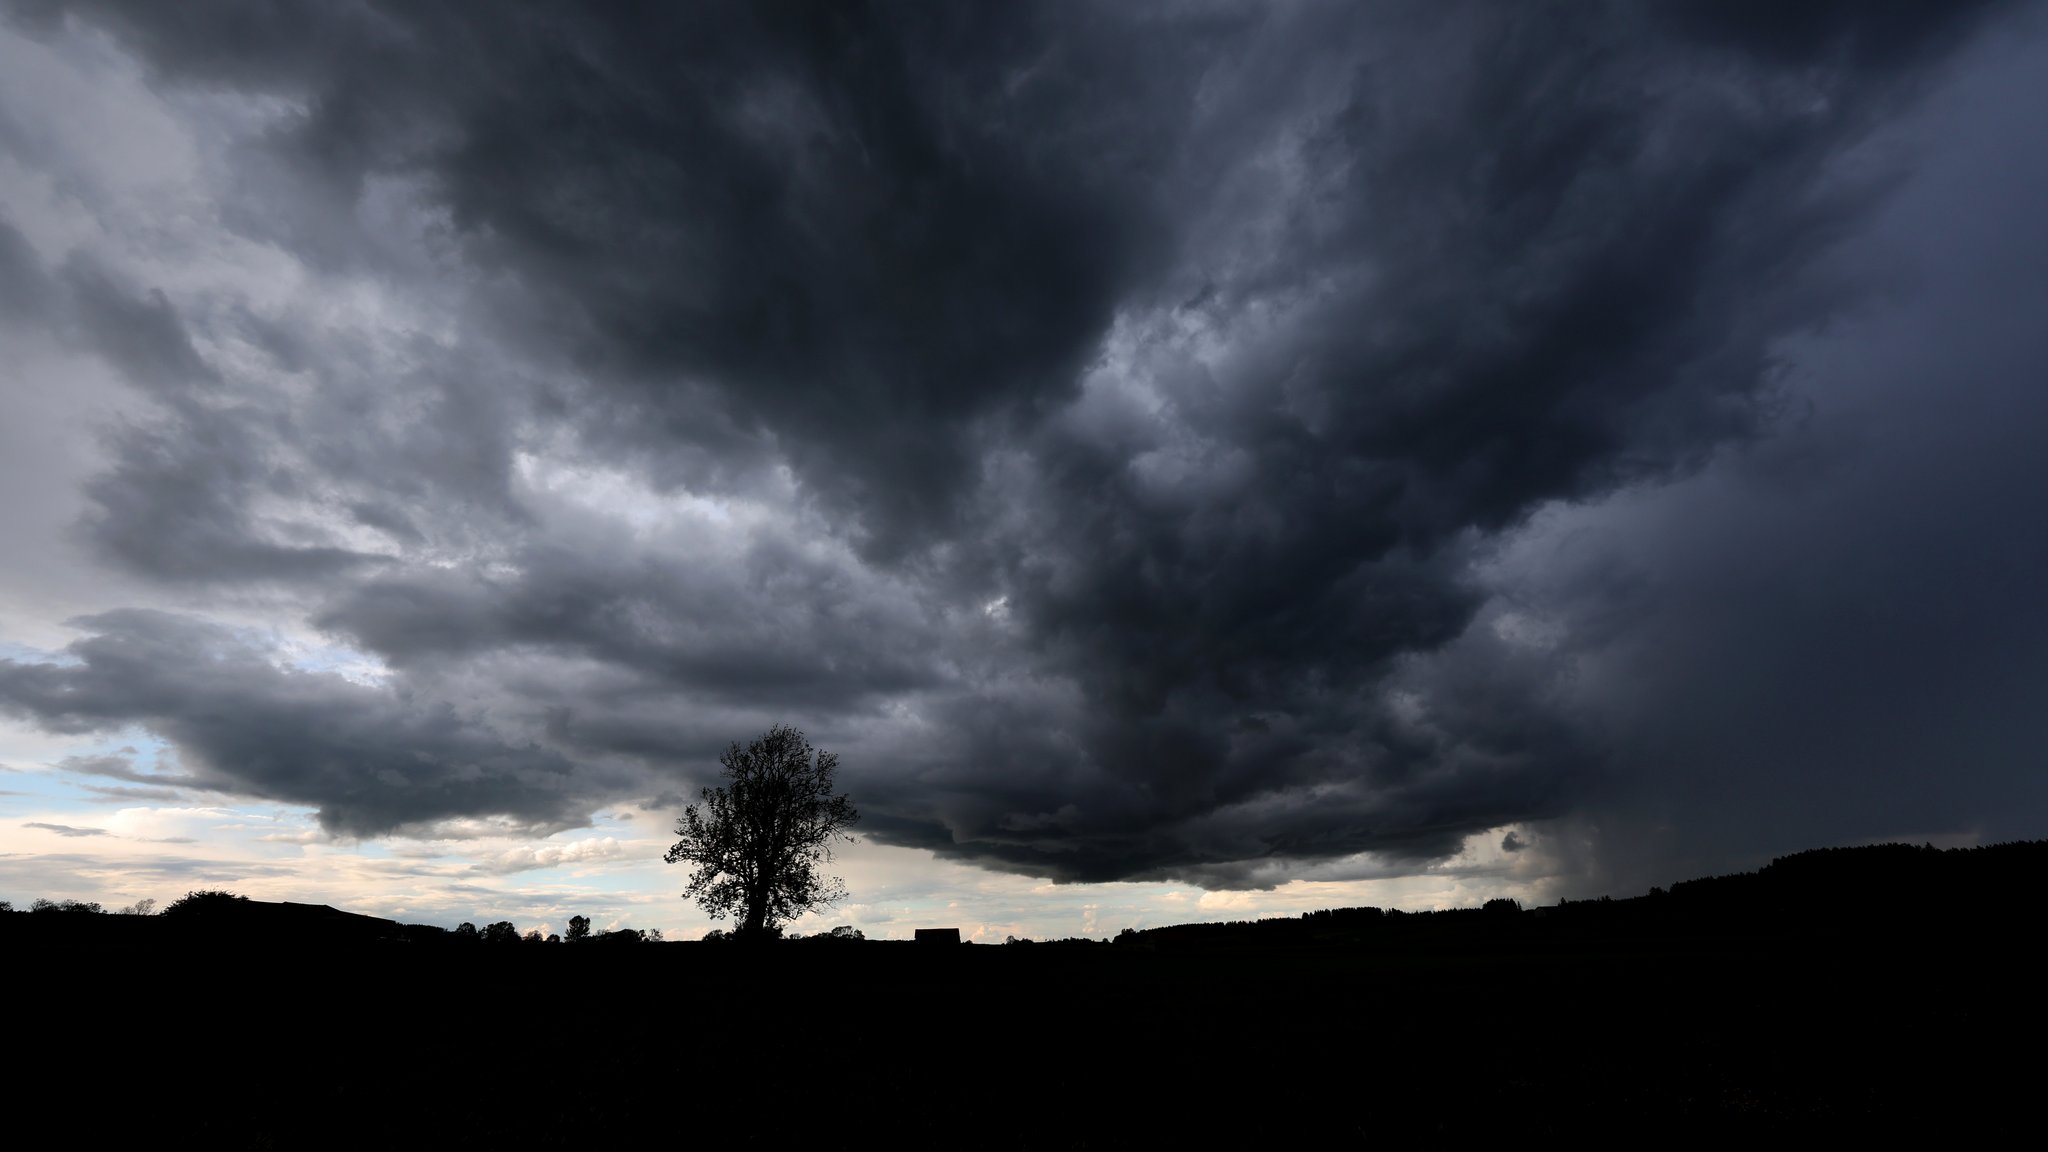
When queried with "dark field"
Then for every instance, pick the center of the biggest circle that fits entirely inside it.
(1035, 1046)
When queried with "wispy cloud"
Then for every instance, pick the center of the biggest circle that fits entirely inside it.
(67, 830)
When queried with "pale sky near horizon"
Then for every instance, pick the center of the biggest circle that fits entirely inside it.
(1188, 461)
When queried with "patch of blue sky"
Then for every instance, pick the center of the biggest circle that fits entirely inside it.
(29, 791)
(39, 778)
(24, 654)
(288, 825)
(337, 660)
(148, 752)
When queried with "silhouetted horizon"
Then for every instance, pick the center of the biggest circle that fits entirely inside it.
(1817, 890)
(1717, 1009)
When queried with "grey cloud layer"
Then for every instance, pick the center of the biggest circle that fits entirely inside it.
(371, 760)
(1094, 419)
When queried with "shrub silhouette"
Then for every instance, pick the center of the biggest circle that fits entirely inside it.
(73, 907)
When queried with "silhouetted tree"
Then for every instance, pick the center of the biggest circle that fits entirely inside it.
(579, 929)
(205, 902)
(501, 932)
(143, 907)
(757, 841)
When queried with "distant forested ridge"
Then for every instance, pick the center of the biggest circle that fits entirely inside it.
(1873, 892)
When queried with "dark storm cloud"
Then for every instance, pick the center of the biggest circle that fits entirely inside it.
(858, 228)
(1553, 255)
(141, 334)
(687, 622)
(177, 503)
(23, 286)
(1181, 364)
(370, 760)
(213, 484)
(1856, 35)
(1838, 636)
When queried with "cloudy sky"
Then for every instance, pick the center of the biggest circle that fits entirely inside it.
(1189, 461)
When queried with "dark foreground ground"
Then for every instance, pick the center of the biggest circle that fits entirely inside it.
(1031, 1046)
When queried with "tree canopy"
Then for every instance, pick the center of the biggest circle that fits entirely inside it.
(758, 840)
(205, 902)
